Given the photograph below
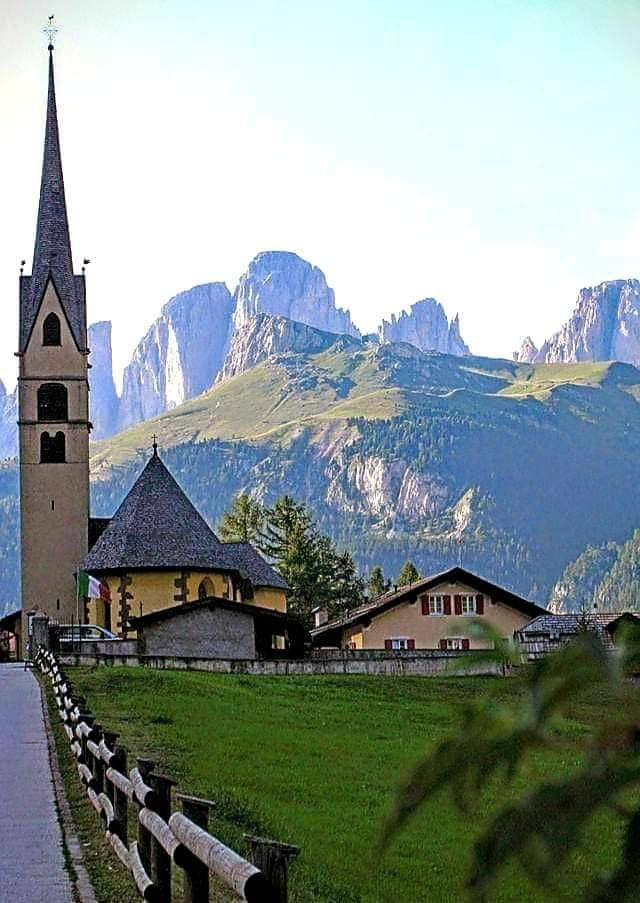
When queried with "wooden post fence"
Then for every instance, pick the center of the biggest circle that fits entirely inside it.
(165, 840)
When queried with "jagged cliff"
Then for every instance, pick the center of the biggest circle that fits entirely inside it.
(180, 355)
(605, 326)
(426, 327)
(103, 399)
(528, 351)
(284, 285)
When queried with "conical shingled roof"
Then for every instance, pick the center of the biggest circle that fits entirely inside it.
(52, 253)
(156, 526)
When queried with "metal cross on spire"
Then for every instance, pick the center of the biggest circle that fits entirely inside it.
(155, 444)
(51, 31)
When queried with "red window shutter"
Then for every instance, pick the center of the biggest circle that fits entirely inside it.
(457, 602)
(443, 644)
(479, 605)
(411, 645)
(425, 604)
(447, 605)
(465, 644)
(387, 644)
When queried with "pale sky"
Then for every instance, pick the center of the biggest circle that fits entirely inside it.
(483, 153)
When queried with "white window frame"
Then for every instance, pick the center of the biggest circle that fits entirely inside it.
(436, 604)
(468, 604)
(396, 642)
(454, 643)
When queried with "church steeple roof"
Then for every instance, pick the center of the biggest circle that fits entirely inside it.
(52, 253)
(157, 526)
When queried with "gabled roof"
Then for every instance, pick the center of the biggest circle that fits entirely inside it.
(414, 590)
(186, 608)
(52, 259)
(573, 622)
(156, 526)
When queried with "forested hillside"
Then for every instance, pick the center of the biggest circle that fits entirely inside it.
(606, 578)
(510, 469)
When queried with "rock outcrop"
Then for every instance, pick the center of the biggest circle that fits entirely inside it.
(528, 351)
(604, 326)
(103, 399)
(181, 354)
(426, 326)
(284, 285)
(263, 336)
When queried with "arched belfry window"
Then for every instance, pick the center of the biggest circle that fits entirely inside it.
(51, 330)
(53, 403)
(52, 448)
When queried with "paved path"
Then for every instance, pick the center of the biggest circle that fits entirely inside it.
(31, 858)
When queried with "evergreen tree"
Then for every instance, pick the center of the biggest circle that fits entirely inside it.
(243, 520)
(377, 584)
(408, 574)
(317, 573)
(286, 521)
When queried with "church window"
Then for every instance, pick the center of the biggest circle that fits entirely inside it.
(52, 402)
(206, 589)
(51, 330)
(52, 448)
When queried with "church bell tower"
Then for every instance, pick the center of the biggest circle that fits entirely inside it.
(53, 400)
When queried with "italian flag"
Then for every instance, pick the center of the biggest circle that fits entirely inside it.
(91, 588)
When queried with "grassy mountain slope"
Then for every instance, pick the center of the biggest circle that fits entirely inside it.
(512, 468)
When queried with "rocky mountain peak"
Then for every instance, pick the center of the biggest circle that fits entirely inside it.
(605, 325)
(528, 351)
(426, 326)
(263, 335)
(282, 284)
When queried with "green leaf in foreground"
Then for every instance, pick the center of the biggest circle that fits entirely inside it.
(497, 742)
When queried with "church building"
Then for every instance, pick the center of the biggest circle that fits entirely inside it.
(157, 552)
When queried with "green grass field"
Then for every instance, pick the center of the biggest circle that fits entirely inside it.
(313, 761)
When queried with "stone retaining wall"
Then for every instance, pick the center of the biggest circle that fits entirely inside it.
(422, 664)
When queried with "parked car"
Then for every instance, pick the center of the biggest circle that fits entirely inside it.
(84, 633)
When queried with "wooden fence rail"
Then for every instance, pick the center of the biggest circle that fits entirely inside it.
(165, 839)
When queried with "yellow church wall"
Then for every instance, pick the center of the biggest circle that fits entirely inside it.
(406, 621)
(270, 597)
(155, 590)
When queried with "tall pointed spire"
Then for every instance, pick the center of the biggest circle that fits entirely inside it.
(52, 253)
